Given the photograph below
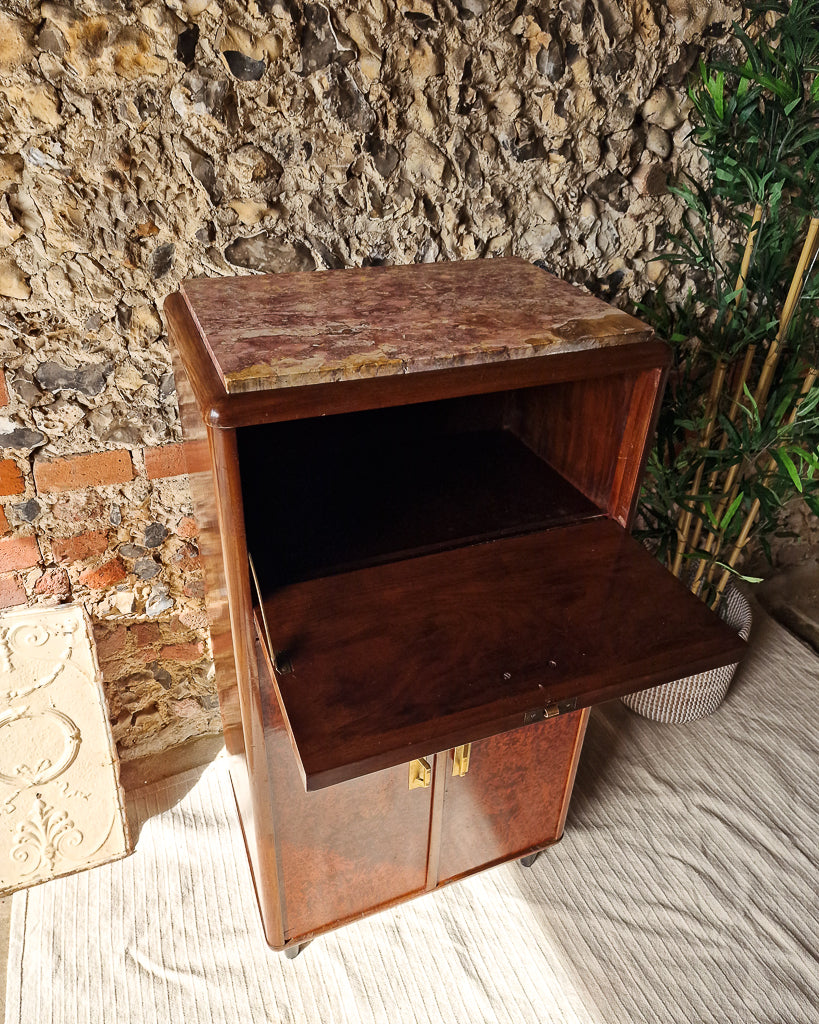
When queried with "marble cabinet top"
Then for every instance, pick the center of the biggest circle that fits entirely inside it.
(287, 330)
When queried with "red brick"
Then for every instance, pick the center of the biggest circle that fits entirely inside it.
(146, 633)
(18, 553)
(187, 528)
(54, 583)
(111, 643)
(188, 652)
(92, 470)
(4, 523)
(4, 394)
(11, 479)
(80, 546)
(176, 629)
(169, 460)
(105, 575)
(196, 588)
(11, 592)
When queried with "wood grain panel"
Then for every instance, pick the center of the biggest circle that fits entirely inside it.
(510, 802)
(578, 428)
(393, 661)
(263, 851)
(638, 433)
(346, 850)
(203, 490)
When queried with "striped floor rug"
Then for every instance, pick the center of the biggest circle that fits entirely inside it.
(684, 890)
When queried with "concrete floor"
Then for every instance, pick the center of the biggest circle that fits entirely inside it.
(792, 598)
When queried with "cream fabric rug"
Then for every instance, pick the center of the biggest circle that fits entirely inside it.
(685, 890)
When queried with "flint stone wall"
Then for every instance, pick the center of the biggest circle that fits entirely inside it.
(149, 141)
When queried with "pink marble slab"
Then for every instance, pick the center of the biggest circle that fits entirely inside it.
(286, 330)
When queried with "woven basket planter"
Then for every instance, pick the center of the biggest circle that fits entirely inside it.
(685, 700)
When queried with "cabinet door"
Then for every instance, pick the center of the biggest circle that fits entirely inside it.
(514, 796)
(348, 849)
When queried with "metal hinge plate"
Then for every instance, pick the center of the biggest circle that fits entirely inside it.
(551, 710)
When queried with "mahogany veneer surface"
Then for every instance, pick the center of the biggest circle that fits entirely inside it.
(286, 330)
(347, 849)
(512, 799)
(397, 660)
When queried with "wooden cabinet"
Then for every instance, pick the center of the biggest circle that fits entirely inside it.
(433, 470)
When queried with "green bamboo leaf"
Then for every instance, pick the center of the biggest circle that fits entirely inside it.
(752, 400)
(739, 575)
(730, 432)
(812, 460)
(787, 464)
(729, 515)
(782, 408)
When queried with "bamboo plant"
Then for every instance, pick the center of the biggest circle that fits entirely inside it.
(738, 436)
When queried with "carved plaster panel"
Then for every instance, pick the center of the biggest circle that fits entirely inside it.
(61, 804)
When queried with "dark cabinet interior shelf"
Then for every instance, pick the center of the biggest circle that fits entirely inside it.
(337, 493)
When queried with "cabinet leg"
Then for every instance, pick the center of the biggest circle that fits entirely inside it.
(527, 862)
(291, 952)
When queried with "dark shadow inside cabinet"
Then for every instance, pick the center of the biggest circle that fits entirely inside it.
(333, 494)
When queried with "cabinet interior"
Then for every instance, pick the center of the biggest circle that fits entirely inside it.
(332, 494)
(434, 573)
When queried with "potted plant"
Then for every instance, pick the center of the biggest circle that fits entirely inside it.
(738, 435)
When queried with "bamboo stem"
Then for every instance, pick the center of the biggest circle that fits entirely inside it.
(684, 522)
(753, 512)
(807, 255)
(732, 415)
(750, 245)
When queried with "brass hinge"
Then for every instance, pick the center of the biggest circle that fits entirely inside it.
(420, 773)
(551, 710)
(460, 760)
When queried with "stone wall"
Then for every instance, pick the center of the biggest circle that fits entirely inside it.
(147, 141)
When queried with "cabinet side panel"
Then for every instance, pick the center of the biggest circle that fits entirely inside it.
(203, 490)
(638, 433)
(578, 429)
(346, 850)
(512, 799)
(229, 511)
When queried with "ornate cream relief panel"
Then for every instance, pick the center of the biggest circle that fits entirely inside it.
(60, 800)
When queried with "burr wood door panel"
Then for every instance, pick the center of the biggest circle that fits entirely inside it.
(513, 798)
(348, 849)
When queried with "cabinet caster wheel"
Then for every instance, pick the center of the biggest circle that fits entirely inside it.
(291, 952)
(527, 862)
